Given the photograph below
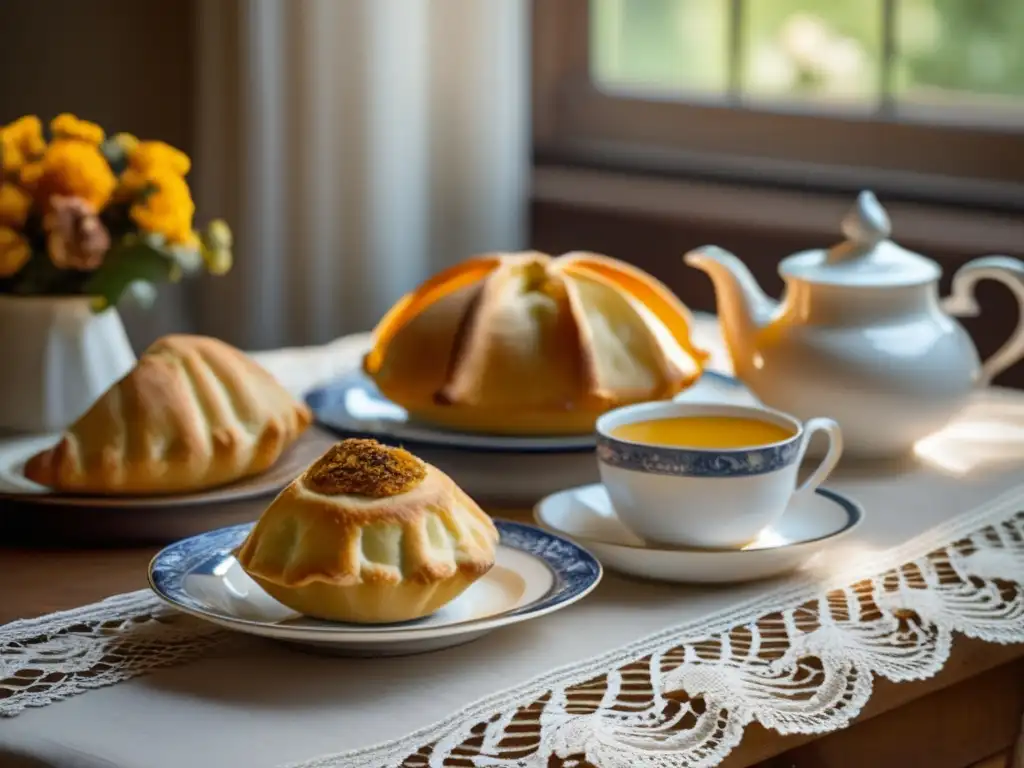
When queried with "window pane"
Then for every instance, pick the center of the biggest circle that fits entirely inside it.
(675, 45)
(822, 50)
(960, 53)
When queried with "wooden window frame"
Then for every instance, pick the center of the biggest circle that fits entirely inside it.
(914, 157)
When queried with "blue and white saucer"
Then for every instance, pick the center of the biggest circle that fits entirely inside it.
(535, 573)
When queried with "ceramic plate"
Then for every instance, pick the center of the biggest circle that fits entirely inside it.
(585, 514)
(353, 407)
(14, 453)
(535, 573)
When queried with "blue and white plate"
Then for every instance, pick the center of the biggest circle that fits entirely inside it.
(535, 573)
(353, 407)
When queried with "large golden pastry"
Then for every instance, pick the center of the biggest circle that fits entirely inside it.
(522, 343)
(193, 413)
(369, 534)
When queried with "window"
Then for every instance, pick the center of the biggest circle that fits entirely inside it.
(922, 98)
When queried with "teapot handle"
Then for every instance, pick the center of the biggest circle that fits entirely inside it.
(961, 302)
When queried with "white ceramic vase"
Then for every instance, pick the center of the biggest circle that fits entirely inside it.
(57, 358)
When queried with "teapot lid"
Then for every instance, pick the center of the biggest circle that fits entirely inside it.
(866, 258)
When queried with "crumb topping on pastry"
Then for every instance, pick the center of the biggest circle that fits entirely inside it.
(365, 468)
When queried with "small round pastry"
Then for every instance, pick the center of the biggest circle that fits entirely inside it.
(521, 343)
(369, 534)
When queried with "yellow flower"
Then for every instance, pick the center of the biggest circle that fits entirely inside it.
(14, 251)
(67, 126)
(73, 168)
(21, 142)
(30, 174)
(154, 155)
(147, 159)
(130, 184)
(14, 205)
(168, 210)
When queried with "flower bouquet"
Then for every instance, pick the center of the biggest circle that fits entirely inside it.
(84, 221)
(86, 215)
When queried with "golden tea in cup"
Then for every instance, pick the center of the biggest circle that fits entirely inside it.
(704, 432)
(706, 475)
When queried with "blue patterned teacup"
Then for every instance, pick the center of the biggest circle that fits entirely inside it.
(707, 497)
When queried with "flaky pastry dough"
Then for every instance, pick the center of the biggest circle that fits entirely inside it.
(330, 553)
(522, 343)
(193, 413)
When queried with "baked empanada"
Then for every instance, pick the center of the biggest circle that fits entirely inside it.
(521, 343)
(369, 534)
(192, 414)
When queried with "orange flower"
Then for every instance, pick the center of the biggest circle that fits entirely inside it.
(67, 126)
(146, 161)
(14, 251)
(150, 155)
(72, 168)
(21, 142)
(14, 206)
(30, 174)
(168, 210)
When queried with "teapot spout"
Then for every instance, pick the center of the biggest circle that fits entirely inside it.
(743, 308)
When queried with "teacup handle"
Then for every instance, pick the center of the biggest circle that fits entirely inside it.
(961, 302)
(835, 451)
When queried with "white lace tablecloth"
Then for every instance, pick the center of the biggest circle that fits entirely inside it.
(638, 675)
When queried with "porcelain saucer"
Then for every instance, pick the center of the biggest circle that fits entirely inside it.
(585, 514)
(535, 573)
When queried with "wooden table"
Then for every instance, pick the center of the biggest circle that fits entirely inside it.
(970, 714)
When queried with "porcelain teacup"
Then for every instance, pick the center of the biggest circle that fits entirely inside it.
(707, 497)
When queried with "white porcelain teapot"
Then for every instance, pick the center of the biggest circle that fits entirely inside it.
(861, 334)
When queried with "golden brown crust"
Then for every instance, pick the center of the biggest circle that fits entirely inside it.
(327, 555)
(527, 344)
(443, 283)
(365, 468)
(648, 290)
(194, 413)
(369, 603)
(474, 336)
(457, 380)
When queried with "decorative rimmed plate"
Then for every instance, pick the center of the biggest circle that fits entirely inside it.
(535, 573)
(37, 514)
(14, 453)
(585, 514)
(354, 407)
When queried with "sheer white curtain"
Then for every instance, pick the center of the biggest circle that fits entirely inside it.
(355, 146)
